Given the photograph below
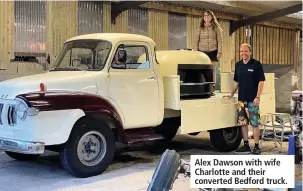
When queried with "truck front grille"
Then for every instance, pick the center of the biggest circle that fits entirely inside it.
(7, 113)
(11, 117)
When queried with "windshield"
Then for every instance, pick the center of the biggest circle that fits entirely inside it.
(83, 55)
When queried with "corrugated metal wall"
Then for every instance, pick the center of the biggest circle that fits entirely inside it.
(272, 45)
(138, 21)
(30, 28)
(90, 17)
(6, 33)
(177, 30)
(158, 28)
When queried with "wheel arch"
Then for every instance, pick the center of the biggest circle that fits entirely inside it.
(91, 106)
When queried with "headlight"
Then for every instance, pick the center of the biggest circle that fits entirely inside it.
(22, 109)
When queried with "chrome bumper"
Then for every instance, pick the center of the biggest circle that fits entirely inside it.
(21, 146)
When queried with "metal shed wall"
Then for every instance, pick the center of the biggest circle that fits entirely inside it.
(62, 20)
(272, 45)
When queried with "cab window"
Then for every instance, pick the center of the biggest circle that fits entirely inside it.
(137, 57)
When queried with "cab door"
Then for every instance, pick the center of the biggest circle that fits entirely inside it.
(133, 85)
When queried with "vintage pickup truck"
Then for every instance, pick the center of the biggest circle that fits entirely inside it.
(112, 88)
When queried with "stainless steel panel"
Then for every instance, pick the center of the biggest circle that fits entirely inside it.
(30, 27)
(90, 17)
(1, 107)
(176, 31)
(138, 21)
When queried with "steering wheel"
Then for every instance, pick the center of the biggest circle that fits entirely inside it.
(82, 62)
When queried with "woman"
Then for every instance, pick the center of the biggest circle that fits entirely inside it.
(209, 39)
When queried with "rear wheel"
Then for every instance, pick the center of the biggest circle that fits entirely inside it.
(89, 150)
(226, 140)
(22, 157)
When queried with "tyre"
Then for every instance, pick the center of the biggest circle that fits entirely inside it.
(89, 150)
(226, 140)
(169, 128)
(166, 171)
(22, 157)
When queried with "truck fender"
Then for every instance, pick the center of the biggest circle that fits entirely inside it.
(91, 105)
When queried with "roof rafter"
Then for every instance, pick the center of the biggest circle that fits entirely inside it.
(264, 17)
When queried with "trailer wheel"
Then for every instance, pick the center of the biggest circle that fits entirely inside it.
(226, 140)
(89, 149)
(21, 156)
(166, 171)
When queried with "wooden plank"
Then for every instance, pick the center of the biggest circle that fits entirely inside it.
(275, 52)
(280, 45)
(158, 28)
(258, 42)
(267, 46)
(254, 38)
(292, 45)
(60, 30)
(237, 42)
(271, 44)
(6, 33)
(288, 46)
(283, 46)
(261, 43)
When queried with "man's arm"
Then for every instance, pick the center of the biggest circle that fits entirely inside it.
(261, 81)
(260, 88)
(236, 86)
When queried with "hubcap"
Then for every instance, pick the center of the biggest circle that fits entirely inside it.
(91, 148)
(230, 134)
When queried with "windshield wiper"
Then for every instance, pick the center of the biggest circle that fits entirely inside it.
(70, 68)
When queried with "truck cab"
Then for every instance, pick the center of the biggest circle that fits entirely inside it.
(106, 88)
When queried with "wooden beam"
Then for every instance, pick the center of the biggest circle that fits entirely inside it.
(118, 8)
(265, 17)
(187, 10)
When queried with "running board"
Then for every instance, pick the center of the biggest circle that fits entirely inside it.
(142, 135)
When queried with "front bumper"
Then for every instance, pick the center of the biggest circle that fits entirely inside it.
(21, 146)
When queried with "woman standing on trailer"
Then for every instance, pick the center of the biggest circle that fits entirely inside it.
(209, 39)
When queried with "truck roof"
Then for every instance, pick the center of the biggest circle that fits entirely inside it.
(114, 37)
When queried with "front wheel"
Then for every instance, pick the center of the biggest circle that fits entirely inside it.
(89, 150)
(227, 139)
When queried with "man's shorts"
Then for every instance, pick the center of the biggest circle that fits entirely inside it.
(248, 114)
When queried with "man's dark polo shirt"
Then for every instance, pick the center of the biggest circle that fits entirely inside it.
(248, 76)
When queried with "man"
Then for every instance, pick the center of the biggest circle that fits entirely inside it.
(248, 80)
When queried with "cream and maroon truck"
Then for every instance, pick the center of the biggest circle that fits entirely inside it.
(109, 88)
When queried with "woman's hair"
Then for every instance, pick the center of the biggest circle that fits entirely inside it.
(214, 22)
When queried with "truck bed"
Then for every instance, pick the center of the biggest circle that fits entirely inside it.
(203, 114)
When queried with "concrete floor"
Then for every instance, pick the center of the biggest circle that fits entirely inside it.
(130, 171)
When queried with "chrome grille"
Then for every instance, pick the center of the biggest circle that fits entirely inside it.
(1, 108)
(11, 117)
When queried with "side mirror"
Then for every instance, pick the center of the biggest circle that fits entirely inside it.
(122, 56)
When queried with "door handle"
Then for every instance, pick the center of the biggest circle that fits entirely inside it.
(152, 78)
